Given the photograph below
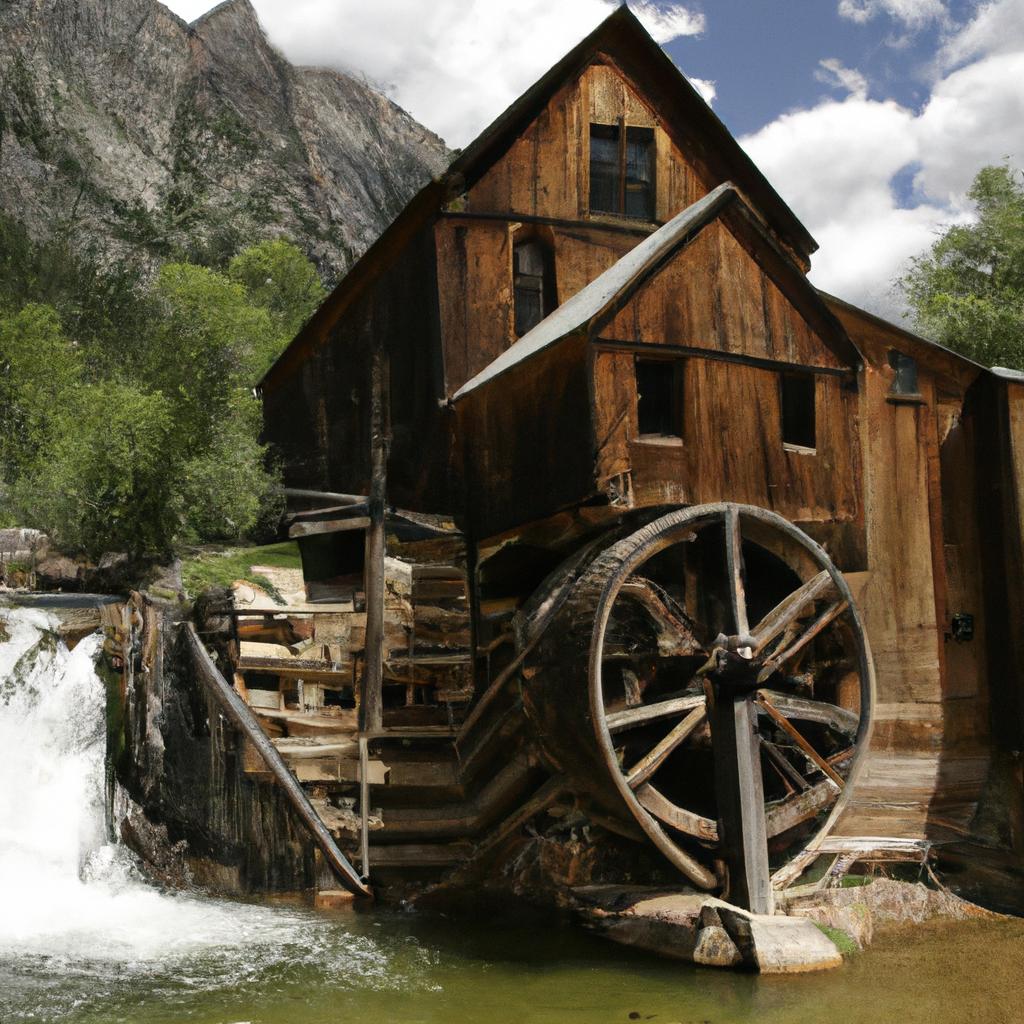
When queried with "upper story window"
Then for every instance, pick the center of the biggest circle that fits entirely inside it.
(533, 277)
(904, 381)
(622, 170)
(659, 398)
(798, 426)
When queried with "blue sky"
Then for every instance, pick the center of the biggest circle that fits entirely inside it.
(870, 117)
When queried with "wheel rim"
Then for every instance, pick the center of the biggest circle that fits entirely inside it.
(777, 609)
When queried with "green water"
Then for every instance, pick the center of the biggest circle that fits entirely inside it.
(392, 968)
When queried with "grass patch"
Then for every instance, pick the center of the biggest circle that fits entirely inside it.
(840, 939)
(207, 569)
(854, 881)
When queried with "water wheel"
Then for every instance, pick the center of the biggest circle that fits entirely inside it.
(724, 675)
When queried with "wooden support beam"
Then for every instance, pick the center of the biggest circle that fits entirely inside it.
(241, 715)
(371, 704)
(740, 792)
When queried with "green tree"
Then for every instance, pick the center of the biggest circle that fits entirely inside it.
(967, 291)
(105, 481)
(38, 369)
(204, 351)
(279, 278)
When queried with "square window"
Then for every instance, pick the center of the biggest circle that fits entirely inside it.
(904, 381)
(798, 426)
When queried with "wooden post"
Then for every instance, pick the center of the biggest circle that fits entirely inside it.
(740, 792)
(371, 704)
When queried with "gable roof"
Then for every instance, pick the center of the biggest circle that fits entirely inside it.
(620, 36)
(593, 306)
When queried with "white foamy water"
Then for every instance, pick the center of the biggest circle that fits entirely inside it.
(74, 901)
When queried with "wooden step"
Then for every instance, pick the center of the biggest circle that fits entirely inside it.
(419, 855)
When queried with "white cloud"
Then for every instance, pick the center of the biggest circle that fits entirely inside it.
(998, 27)
(666, 22)
(834, 73)
(453, 64)
(705, 87)
(837, 163)
(913, 13)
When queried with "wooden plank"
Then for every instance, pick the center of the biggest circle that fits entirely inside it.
(784, 724)
(837, 718)
(619, 720)
(782, 815)
(790, 609)
(678, 817)
(655, 758)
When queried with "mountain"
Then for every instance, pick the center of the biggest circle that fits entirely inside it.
(150, 138)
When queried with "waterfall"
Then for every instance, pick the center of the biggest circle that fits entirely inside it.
(65, 890)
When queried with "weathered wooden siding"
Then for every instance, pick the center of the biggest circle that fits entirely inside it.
(317, 418)
(546, 172)
(529, 442)
(714, 295)
(475, 268)
(930, 753)
(731, 447)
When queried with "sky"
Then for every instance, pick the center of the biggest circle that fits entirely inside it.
(870, 117)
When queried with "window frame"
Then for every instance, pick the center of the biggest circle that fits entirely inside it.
(622, 133)
(548, 290)
(676, 413)
(807, 381)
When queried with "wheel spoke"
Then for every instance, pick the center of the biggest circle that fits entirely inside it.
(619, 720)
(782, 763)
(654, 759)
(675, 629)
(838, 719)
(679, 818)
(790, 609)
(790, 648)
(788, 728)
(734, 568)
(782, 815)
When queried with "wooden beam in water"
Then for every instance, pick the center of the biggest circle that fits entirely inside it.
(242, 716)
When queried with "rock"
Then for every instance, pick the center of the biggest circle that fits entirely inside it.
(777, 944)
(58, 572)
(165, 137)
(715, 949)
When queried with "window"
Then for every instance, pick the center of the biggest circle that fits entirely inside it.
(904, 380)
(533, 271)
(798, 410)
(659, 397)
(622, 170)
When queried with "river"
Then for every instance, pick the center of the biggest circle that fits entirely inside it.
(84, 937)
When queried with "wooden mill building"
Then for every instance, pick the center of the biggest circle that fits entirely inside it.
(606, 510)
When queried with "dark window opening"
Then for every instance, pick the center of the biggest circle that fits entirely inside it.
(798, 410)
(904, 381)
(622, 171)
(659, 390)
(533, 269)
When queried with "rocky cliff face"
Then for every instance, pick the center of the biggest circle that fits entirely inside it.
(122, 124)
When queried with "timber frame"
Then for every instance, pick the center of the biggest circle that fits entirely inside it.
(780, 612)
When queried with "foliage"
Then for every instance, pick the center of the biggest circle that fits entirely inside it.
(101, 483)
(38, 366)
(127, 416)
(281, 280)
(841, 940)
(967, 292)
(221, 569)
